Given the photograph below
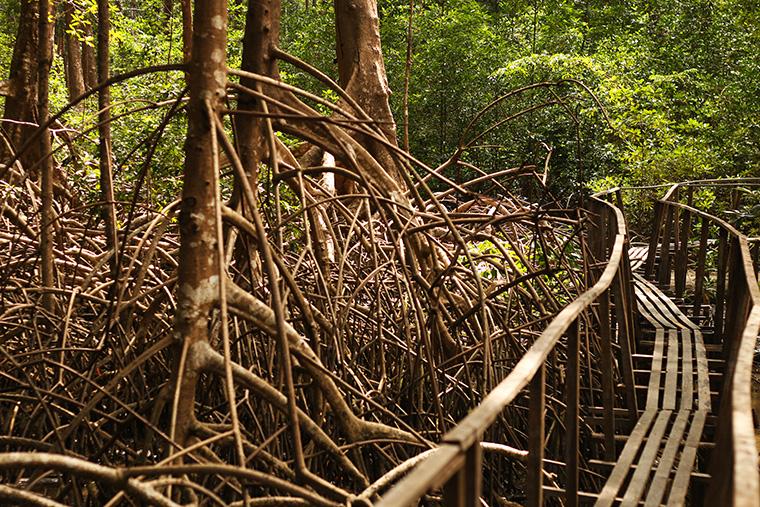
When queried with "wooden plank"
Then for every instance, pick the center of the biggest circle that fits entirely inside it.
(624, 462)
(700, 273)
(671, 373)
(640, 477)
(653, 392)
(654, 240)
(703, 374)
(665, 305)
(720, 284)
(650, 310)
(664, 468)
(648, 295)
(625, 331)
(687, 371)
(686, 464)
(663, 274)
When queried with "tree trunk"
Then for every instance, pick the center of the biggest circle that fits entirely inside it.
(198, 272)
(88, 60)
(73, 59)
(262, 33)
(44, 61)
(21, 102)
(187, 30)
(104, 134)
(361, 70)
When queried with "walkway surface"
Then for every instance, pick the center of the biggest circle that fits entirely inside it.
(658, 459)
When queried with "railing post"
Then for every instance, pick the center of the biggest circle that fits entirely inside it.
(602, 230)
(463, 488)
(536, 405)
(608, 380)
(720, 285)
(572, 412)
(663, 274)
(700, 275)
(682, 257)
(654, 239)
(624, 338)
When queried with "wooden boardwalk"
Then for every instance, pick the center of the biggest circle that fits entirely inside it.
(676, 426)
(658, 459)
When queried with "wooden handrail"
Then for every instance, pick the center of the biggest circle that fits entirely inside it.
(734, 460)
(460, 454)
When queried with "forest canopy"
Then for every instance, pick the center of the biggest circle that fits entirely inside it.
(678, 81)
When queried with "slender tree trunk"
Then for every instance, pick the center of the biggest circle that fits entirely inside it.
(44, 60)
(104, 133)
(408, 72)
(21, 100)
(73, 58)
(88, 60)
(187, 30)
(262, 32)
(198, 283)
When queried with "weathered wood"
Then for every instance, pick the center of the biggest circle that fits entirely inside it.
(640, 478)
(536, 407)
(654, 239)
(682, 257)
(624, 340)
(664, 467)
(720, 284)
(572, 414)
(663, 274)
(700, 272)
(625, 460)
(463, 488)
(671, 373)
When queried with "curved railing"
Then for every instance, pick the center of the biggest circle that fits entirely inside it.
(456, 465)
(736, 323)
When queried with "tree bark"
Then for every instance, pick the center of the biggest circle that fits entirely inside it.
(21, 101)
(361, 71)
(88, 60)
(44, 61)
(262, 33)
(73, 60)
(108, 209)
(187, 30)
(198, 272)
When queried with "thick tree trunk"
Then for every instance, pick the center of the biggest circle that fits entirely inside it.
(21, 101)
(361, 70)
(104, 134)
(73, 59)
(198, 283)
(44, 61)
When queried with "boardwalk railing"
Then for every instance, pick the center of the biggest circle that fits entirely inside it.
(457, 463)
(736, 324)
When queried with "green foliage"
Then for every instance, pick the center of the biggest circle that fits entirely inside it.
(678, 81)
